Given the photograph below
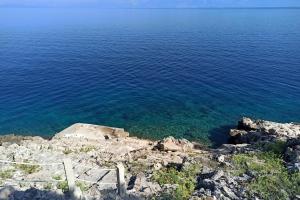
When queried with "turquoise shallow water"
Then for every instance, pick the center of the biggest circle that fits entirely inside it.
(188, 73)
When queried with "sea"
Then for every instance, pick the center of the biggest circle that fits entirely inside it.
(188, 73)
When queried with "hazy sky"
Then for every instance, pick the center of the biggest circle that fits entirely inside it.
(149, 3)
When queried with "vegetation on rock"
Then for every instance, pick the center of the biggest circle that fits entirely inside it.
(6, 174)
(83, 187)
(184, 179)
(57, 177)
(271, 178)
(254, 167)
(67, 151)
(276, 147)
(48, 186)
(63, 186)
(87, 149)
(28, 169)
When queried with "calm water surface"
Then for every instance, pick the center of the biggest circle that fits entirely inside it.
(187, 73)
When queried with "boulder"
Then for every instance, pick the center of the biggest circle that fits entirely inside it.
(157, 166)
(221, 158)
(247, 124)
(236, 132)
(229, 193)
(172, 144)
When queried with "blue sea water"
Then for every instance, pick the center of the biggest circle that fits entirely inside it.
(184, 72)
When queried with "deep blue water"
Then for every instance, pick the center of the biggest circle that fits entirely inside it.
(186, 73)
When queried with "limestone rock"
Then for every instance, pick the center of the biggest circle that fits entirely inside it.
(253, 131)
(157, 166)
(289, 130)
(172, 144)
(247, 124)
(228, 192)
(221, 158)
(236, 132)
(218, 174)
(141, 184)
(91, 132)
(92, 147)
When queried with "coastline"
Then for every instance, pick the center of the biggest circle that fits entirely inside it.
(212, 172)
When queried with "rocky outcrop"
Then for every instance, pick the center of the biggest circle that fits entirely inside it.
(251, 131)
(92, 147)
(289, 130)
(220, 185)
(172, 144)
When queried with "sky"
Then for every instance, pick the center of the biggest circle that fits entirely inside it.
(149, 3)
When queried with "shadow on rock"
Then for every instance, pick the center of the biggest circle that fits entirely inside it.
(9, 193)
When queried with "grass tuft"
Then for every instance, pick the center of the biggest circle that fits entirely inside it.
(83, 187)
(67, 151)
(277, 147)
(6, 174)
(87, 149)
(57, 177)
(272, 180)
(28, 169)
(48, 186)
(184, 179)
(63, 186)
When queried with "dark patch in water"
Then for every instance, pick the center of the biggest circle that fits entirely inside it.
(220, 135)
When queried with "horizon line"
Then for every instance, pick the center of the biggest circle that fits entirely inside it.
(150, 8)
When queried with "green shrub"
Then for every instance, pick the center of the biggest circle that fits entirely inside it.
(63, 186)
(184, 179)
(28, 169)
(263, 163)
(276, 147)
(57, 177)
(272, 180)
(6, 174)
(87, 149)
(48, 186)
(67, 151)
(83, 187)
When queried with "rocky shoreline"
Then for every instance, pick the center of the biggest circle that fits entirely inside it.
(260, 154)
